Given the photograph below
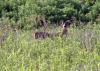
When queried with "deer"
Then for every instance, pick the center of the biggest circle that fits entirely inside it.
(43, 35)
(65, 26)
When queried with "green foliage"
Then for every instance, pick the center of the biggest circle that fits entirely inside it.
(56, 10)
(79, 51)
(57, 54)
(52, 10)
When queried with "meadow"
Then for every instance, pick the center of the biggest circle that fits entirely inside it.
(21, 19)
(79, 51)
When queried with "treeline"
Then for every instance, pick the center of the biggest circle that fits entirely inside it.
(27, 13)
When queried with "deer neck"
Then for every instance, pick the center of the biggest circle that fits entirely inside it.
(64, 31)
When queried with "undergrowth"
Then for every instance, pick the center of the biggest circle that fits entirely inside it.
(79, 51)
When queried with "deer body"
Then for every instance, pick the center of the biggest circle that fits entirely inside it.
(41, 35)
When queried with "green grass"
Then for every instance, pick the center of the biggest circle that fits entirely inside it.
(79, 51)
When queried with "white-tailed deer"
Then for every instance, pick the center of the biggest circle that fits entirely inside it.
(43, 35)
(65, 26)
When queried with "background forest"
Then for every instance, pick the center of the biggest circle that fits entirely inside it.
(23, 13)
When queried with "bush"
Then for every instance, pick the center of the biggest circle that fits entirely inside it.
(53, 10)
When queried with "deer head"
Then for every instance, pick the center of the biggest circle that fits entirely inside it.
(65, 26)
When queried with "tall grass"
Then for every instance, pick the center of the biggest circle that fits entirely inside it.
(80, 51)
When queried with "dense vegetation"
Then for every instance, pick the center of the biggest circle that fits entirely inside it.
(25, 12)
(79, 51)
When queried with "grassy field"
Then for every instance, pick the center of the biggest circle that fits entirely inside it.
(80, 51)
